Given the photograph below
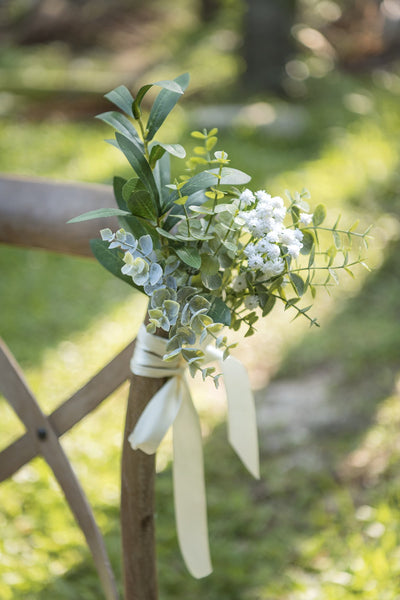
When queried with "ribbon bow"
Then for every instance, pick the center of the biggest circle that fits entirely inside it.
(173, 405)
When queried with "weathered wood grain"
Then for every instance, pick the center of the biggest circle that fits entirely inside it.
(34, 213)
(15, 389)
(137, 500)
(73, 410)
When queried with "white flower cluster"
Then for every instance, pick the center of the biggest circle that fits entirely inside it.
(263, 217)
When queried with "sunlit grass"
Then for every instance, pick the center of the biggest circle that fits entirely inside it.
(296, 535)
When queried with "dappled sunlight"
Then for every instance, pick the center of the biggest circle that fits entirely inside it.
(322, 523)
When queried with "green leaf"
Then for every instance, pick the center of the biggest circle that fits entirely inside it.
(163, 105)
(121, 124)
(171, 308)
(199, 303)
(210, 143)
(202, 210)
(297, 283)
(166, 84)
(209, 264)
(174, 149)
(190, 256)
(130, 186)
(185, 335)
(267, 304)
(311, 257)
(319, 215)
(132, 223)
(166, 234)
(337, 240)
(158, 150)
(122, 98)
(334, 276)
(140, 166)
(231, 176)
(140, 205)
(156, 153)
(181, 200)
(99, 213)
(162, 176)
(110, 259)
(138, 200)
(308, 242)
(198, 135)
(219, 311)
(205, 179)
(211, 282)
(355, 225)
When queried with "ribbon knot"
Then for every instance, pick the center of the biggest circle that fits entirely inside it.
(173, 405)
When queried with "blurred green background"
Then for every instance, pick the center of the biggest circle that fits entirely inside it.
(305, 94)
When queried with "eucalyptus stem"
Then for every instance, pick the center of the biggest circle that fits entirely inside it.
(215, 200)
(343, 231)
(300, 311)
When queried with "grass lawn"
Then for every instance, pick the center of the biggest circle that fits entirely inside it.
(300, 533)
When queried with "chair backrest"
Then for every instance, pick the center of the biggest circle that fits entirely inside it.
(34, 213)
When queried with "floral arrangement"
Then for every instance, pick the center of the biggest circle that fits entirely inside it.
(207, 251)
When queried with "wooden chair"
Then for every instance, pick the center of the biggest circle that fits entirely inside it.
(34, 213)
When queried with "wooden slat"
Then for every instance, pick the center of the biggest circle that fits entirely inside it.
(73, 410)
(18, 394)
(34, 213)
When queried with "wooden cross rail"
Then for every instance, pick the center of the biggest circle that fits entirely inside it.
(33, 213)
(68, 414)
(42, 438)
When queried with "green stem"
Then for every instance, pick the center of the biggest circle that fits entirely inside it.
(145, 142)
(187, 221)
(215, 200)
(299, 310)
(318, 228)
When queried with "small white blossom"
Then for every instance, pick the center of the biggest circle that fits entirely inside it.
(273, 267)
(263, 195)
(277, 202)
(294, 249)
(255, 261)
(250, 250)
(279, 213)
(298, 235)
(247, 198)
(220, 154)
(274, 251)
(263, 245)
(305, 218)
(288, 236)
(251, 302)
(239, 283)
(274, 235)
(254, 224)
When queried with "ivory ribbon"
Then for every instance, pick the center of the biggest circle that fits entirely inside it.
(172, 405)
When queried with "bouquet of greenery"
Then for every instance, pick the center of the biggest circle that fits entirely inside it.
(207, 251)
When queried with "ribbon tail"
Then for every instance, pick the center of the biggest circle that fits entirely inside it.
(189, 487)
(156, 418)
(242, 423)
